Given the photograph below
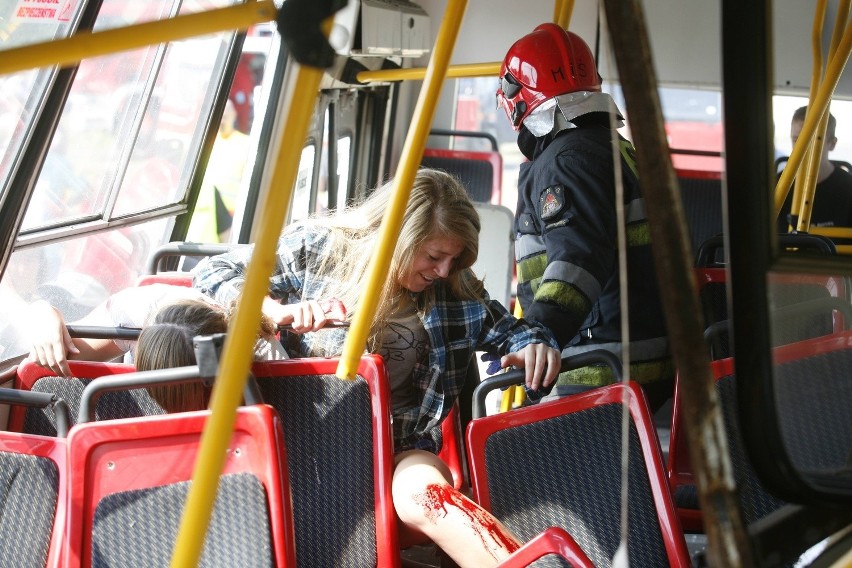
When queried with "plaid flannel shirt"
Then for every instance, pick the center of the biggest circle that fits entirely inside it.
(456, 328)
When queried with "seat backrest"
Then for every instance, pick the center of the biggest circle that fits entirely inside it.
(755, 501)
(481, 173)
(786, 291)
(33, 498)
(812, 390)
(340, 448)
(701, 195)
(130, 479)
(573, 447)
(117, 404)
(495, 236)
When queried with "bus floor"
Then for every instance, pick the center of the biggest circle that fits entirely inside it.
(425, 556)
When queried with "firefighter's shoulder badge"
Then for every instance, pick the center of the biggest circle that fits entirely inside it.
(552, 202)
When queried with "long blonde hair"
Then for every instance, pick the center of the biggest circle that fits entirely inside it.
(438, 206)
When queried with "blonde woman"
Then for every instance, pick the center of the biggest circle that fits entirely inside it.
(432, 316)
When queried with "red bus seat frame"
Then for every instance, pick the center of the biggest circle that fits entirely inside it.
(319, 427)
(29, 373)
(122, 455)
(55, 450)
(481, 430)
(679, 468)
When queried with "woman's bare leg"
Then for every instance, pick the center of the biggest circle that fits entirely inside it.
(426, 502)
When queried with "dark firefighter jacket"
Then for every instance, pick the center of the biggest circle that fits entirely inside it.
(567, 250)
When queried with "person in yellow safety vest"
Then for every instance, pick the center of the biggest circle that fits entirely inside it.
(214, 209)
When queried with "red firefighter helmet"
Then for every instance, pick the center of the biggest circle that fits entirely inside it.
(548, 62)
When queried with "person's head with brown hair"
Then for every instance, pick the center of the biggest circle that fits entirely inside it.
(168, 342)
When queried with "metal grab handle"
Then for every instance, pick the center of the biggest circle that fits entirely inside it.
(35, 399)
(127, 381)
(187, 249)
(516, 376)
(289, 326)
(103, 332)
(466, 134)
(207, 350)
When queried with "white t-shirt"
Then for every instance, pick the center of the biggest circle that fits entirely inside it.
(404, 344)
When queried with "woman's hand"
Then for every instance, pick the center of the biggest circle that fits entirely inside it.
(50, 342)
(303, 317)
(540, 361)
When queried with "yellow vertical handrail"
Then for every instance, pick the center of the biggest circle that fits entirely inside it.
(807, 201)
(239, 344)
(832, 76)
(562, 13)
(513, 396)
(409, 162)
(86, 44)
(805, 183)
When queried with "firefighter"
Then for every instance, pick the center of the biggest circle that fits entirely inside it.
(566, 230)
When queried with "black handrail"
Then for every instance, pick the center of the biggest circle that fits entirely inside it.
(517, 376)
(36, 399)
(706, 255)
(186, 249)
(103, 332)
(207, 349)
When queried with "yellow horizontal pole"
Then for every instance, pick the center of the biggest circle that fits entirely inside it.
(239, 345)
(812, 119)
(409, 162)
(86, 44)
(453, 71)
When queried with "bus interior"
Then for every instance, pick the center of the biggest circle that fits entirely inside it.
(139, 137)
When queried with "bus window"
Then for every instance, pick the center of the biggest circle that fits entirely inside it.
(20, 93)
(476, 110)
(74, 275)
(134, 119)
(158, 168)
(693, 122)
(344, 145)
(127, 142)
(336, 199)
(300, 205)
(783, 108)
